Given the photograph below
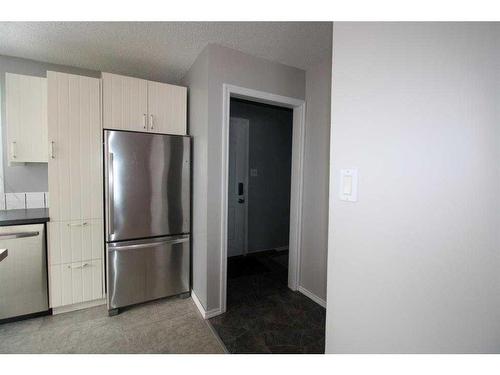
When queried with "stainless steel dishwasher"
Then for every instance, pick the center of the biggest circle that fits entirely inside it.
(23, 272)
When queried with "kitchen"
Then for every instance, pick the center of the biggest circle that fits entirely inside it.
(129, 173)
(109, 163)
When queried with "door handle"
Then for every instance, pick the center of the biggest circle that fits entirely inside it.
(145, 121)
(151, 121)
(240, 189)
(111, 196)
(8, 236)
(241, 200)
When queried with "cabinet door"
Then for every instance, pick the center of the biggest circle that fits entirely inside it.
(75, 241)
(167, 108)
(75, 282)
(124, 102)
(26, 118)
(74, 129)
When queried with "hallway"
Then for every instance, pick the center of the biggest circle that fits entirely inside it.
(263, 315)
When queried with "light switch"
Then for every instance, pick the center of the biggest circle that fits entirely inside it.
(349, 185)
(253, 172)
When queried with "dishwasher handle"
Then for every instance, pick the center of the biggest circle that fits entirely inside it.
(3, 254)
(9, 236)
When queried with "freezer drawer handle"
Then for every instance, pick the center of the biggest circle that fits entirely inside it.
(153, 244)
(8, 236)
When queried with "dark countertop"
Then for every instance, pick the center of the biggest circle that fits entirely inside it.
(27, 216)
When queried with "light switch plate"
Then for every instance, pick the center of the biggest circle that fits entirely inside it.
(349, 185)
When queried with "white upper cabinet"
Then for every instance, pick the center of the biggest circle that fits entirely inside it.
(26, 117)
(125, 102)
(140, 105)
(167, 108)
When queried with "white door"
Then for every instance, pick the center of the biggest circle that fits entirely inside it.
(125, 102)
(238, 186)
(167, 108)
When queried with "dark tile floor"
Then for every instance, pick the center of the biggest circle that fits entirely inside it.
(263, 315)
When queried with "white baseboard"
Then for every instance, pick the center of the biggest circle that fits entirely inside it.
(78, 306)
(312, 296)
(205, 314)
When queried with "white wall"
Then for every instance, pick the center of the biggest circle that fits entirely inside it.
(414, 265)
(316, 172)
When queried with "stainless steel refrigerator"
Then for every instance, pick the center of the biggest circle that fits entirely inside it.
(147, 204)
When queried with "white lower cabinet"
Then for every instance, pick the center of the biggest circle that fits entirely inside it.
(75, 241)
(76, 282)
(75, 261)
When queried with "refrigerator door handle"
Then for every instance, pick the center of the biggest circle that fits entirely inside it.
(111, 198)
(150, 244)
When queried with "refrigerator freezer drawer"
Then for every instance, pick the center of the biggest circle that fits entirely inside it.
(145, 270)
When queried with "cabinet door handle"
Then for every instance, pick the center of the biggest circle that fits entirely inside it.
(144, 121)
(79, 266)
(83, 224)
(151, 121)
(13, 149)
(52, 156)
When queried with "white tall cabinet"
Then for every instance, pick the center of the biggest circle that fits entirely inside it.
(75, 230)
(146, 106)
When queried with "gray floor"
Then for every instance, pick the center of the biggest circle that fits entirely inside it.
(169, 326)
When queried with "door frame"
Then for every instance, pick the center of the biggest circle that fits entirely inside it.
(247, 178)
(296, 188)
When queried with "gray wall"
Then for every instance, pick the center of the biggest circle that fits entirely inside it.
(413, 266)
(316, 172)
(30, 176)
(270, 152)
(197, 82)
(222, 65)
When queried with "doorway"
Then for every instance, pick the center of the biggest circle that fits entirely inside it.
(295, 207)
(262, 311)
(259, 181)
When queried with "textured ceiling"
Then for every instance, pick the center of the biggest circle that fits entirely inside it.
(161, 51)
